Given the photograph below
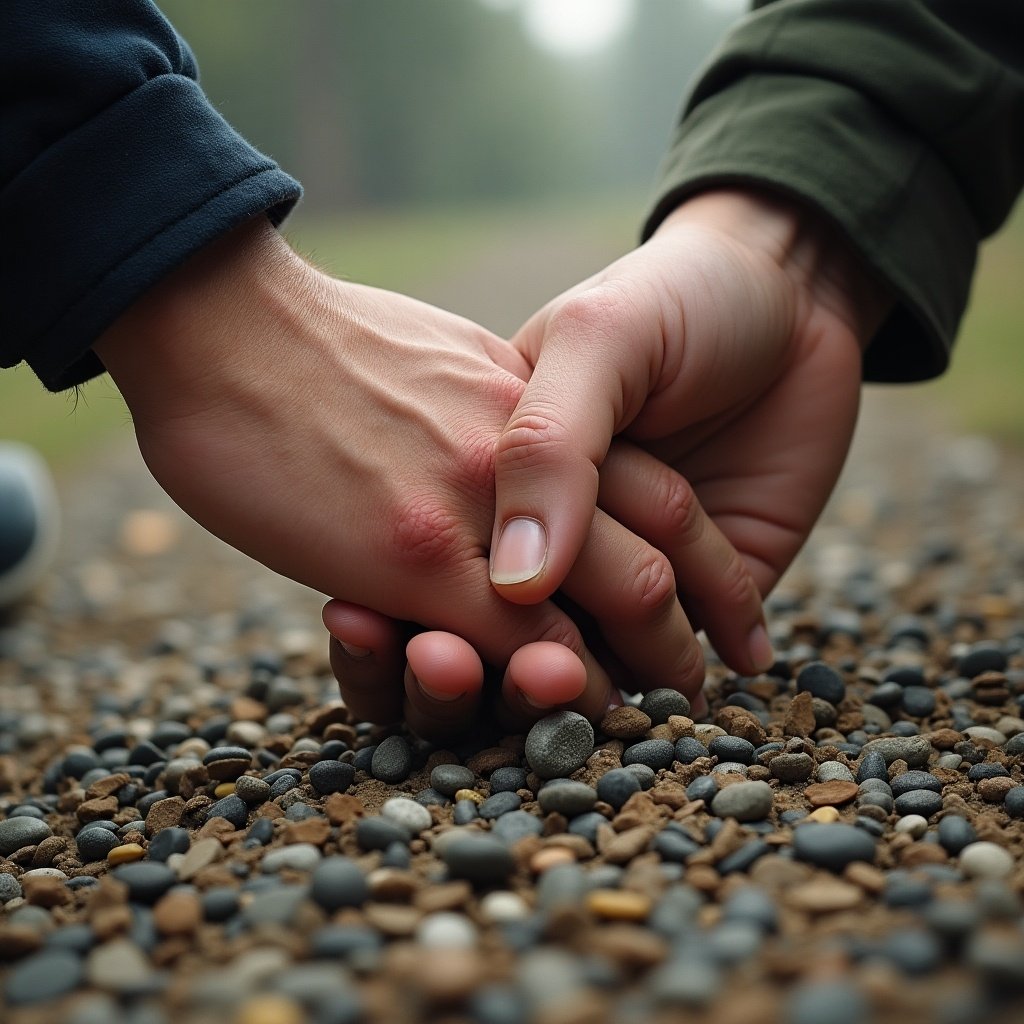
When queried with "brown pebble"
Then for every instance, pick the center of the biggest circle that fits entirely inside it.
(630, 946)
(200, 855)
(917, 854)
(491, 759)
(313, 830)
(45, 890)
(98, 809)
(48, 849)
(447, 976)
(625, 723)
(248, 709)
(618, 904)
(107, 786)
(18, 941)
(703, 878)
(994, 791)
(623, 847)
(799, 719)
(823, 895)
(444, 896)
(228, 769)
(125, 854)
(178, 913)
(680, 726)
(549, 857)
(332, 713)
(108, 921)
(164, 814)
(469, 794)
(341, 808)
(867, 876)
(395, 920)
(827, 815)
(392, 885)
(743, 723)
(669, 794)
(944, 739)
(268, 1008)
(834, 793)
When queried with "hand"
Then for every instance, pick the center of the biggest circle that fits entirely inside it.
(344, 436)
(729, 345)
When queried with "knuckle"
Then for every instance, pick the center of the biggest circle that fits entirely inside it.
(736, 587)
(561, 631)
(680, 509)
(653, 585)
(426, 535)
(600, 310)
(531, 437)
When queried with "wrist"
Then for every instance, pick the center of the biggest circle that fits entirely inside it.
(822, 264)
(189, 339)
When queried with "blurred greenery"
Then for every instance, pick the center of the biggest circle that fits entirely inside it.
(429, 132)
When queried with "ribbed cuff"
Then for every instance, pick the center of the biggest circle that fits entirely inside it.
(824, 144)
(114, 207)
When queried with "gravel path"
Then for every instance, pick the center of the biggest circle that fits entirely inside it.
(192, 829)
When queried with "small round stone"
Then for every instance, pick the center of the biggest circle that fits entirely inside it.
(481, 860)
(331, 776)
(626, 723)
(872, 766)
(501, 906)
(615, 787)
(392, 761)
(233, 808)
(499, 804)
(919, 801)
(568, 798)
(660, 705)
(689, 749)
(21, 831)
(732, 748)
(297, 857)
(44, 976)
(412, 816)
(821, 680)
(832, 846)
(834, 771)
(982, 657)
(1013, 802)
(450, 778)
(834, 1000)
(744, 801)
(985, 860)
(338, 882)
(619, 904)
(95, 843)
(10, 888)
(464, 812)
(918, 701)
(252, 790)
(656, 754)
(126, 854)
(508, 779)
(913, 824)
(147, 880)
(674, 846)
(445, 930)
(378, 833)
(167, 841)
(909, 781)
(791, 767)
(559, 744)
(515, 825)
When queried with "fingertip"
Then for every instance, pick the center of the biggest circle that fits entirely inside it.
(444, 666)
(546, 674)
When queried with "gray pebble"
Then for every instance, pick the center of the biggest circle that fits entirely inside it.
(909, 781)
(10, 888)
(516, 825)
(147, 880)
(95, 843)
(464, 812)
(559, 744)
(481, 860)
(836, 1001)
(450, 778)
(392, 760)
(331, 776)
(338, 882)
(568, 798)
(656, 754)
(729, 768)
(233, 808)
(377, 833)
(43, 976)
(744, 801)
(919, 801)
(499, 804)
(298, 857)
(873, 766)
(615, 787)
(685, 982)
(21, 831)
(833, 771)
(915, 750)
(412, 816)
(276, 906)
(645, 775)
(832, 846)
(659, 705)
(791, 767)
(564, 885)
(507, 780)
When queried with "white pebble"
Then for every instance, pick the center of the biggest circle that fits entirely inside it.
(983, 732)
(985, 860)
(408, 813)
(246, 734)
(706, 733)
(298, 857)
(914, 824)
(502, 906)
(446, 931)
(45, 873)
(729, 768)
(831, 771)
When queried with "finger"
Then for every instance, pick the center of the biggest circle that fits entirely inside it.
(443, 684)
(714, 581)
(368, 660)
(629, 588)
(587, 380)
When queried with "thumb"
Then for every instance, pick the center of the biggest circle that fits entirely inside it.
(590, 378)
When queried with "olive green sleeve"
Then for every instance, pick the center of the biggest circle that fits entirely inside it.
(900, 120)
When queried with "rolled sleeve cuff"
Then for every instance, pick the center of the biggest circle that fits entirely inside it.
(822, 143)
(114, 207)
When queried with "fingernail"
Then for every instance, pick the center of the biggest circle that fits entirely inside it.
(760, 647)
(439, 695)
(354, 652)
(520, 552)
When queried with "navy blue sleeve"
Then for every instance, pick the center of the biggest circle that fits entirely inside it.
(114, 168)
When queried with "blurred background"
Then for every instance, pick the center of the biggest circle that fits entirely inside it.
(484, 155)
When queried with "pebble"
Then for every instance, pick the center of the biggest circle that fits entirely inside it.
(409, 814)
(232, 808)
(331, 776)
(147, 880)
(119, 966)
(955, 833)
(450, 778)
(911, 780)
(377, 833)
(834, 771)
(835, 793)
(822, 681)
(626, 723)
(446, 930)
(913, 824)
(95, 843)
(507, 779)
(731, 748)
(516, 825)
(481, 860)
(499, 804)
(873, 766)
(501, 906)
(661, 704)
(338, 882)
(744, 801)
(919, 801)
(168, 841)
(392, 761)
(655, 754)
(559, 744)
(985, 860)
(10, 888)
(915, 750)
(791, 767)
(1013, 802)
(252, 790)
(688, 749)
(832, 846)
(126, 853)
(837, 1001)
(297, 857)
(21, 831)
(43, 976)
(568, 798)
(619, 904)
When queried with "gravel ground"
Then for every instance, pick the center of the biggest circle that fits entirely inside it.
(192, 829)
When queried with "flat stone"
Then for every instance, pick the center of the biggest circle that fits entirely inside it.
(823, 895)
(297, 857)
(43, 976)
(744, 801)
(831, 794)
(915, 750)
(118, 966)
(832, 846)
(22, 830)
